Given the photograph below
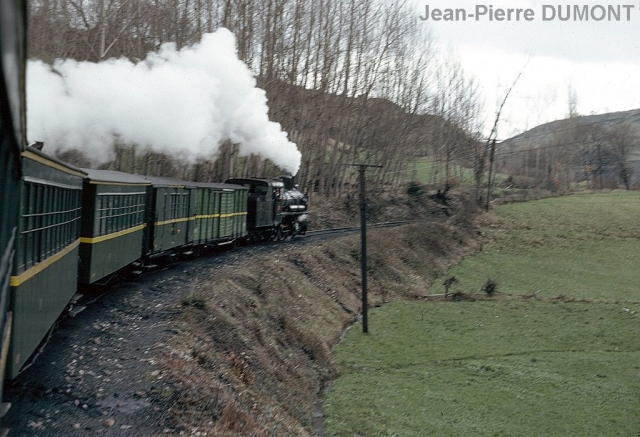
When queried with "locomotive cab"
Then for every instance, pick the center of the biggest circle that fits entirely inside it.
(274, 208)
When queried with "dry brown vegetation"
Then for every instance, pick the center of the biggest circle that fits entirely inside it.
(252, 348)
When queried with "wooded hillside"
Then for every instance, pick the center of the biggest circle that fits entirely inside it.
(601, 150)
(349, 80)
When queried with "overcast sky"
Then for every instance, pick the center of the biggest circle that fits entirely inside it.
(599, 59)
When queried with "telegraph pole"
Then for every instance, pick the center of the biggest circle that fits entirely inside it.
(363, 240)
(492, 155)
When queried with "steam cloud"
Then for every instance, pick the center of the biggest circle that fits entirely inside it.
(185, 101)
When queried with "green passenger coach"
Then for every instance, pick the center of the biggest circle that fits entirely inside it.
(170, 203)
(46, 257)
(113, 222)
(220, 213)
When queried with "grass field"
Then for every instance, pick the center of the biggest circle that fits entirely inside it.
(428, 171)
(510, 365)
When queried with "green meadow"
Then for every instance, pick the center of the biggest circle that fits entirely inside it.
(556, 352)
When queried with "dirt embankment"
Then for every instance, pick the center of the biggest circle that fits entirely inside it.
(252, 348)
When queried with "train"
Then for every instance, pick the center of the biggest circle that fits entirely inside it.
(78, 227)
(13, 49)
(64, 228)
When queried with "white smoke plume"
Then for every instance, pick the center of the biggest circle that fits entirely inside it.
(178, 101)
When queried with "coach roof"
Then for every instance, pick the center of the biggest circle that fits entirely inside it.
(114, 177)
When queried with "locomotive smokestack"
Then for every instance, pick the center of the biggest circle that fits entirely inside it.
(287, 181)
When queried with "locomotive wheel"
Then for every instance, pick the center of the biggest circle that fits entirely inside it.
(282, 234)
(295, 230)
(276, 234)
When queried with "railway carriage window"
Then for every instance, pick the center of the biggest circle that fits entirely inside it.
(43, 218)
(55, 220)
(63, 218)
(133, 213)
(40, 223)
(50, 215)
(175, 199)
(119, 216)
(53, 226)
(78, 202)
(113, 214)
(185, 205)
(174, 205)
(140, 209)
(49, 223)
(133, 210)
(126, 211)
(74, 226)
(66, 217)
(53, 212)
(110, 219)
(130, 211)
(58, 219)
(120, 213)
(30, 224)
(48, 230)
(107, 213)
(166, 206)
(101, 223)
(48, 206)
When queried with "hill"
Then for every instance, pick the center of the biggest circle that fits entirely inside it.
(602, 149)
(546, 132)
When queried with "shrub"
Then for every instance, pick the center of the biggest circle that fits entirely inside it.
(194, 300)
(490, 287)
(448, 283)
(415, 188)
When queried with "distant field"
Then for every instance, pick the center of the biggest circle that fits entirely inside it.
(428, 172)
(511, 366)
(583, 246)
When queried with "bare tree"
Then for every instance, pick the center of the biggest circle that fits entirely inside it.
(623, 140)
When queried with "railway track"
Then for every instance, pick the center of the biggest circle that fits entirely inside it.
(346, 230)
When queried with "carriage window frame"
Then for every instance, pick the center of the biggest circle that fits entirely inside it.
(49, 221)
(116, 212)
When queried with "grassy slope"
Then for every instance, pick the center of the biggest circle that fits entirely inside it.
(583, 246)
(511, 366)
